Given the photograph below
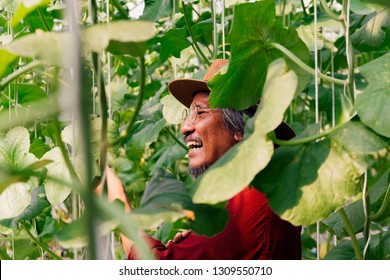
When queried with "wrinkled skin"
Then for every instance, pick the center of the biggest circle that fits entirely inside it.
(209, 132)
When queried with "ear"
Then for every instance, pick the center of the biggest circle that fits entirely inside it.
(237, 137)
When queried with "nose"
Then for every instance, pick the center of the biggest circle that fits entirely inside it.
(187, 127)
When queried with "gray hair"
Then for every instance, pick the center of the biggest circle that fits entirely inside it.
(234, 120)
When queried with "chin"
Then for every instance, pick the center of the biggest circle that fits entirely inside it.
(196, 171)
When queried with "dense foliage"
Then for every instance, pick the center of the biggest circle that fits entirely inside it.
(84, 84)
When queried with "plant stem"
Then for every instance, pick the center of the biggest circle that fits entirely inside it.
(376, 217)
(122, 11)
(349, 49)
(303, 8)
(19, 72)
(42, 17)
(175, 138)
(194, 42)
(305, 67)
(305, 140)
(349, 229)
(104, 115)
(329, 12)
(36, 241)
(126, 132)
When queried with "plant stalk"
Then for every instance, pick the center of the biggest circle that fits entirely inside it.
(176, 140)
(14, 75)
(142, 82)
(376, 217)
(40, 244)
(306, 67)
(329, 12)
(194, 42)
(122, 11)
(349, 229)
(305, 140)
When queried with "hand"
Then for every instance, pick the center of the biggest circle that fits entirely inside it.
(115, 189)
(180, 236)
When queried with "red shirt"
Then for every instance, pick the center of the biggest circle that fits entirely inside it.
(253, 232)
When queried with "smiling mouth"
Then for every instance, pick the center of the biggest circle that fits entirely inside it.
(194, 145)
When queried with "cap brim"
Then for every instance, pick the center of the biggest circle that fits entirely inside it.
(185, 89)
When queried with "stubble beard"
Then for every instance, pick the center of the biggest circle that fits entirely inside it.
(196, 171)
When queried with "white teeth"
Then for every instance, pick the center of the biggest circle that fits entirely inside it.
(194, 145)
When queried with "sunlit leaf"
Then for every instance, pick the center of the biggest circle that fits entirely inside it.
(14, 149)
(355, 211)
(57, 193)
(14, 200)
(173, 111)
(25, 7)
(37, 205)
(254, 153)
(372, 105)
(306, 183)
(119, 37)
(253, 28)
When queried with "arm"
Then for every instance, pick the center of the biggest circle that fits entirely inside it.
(116, 191)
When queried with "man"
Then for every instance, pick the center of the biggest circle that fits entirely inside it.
(253, 230)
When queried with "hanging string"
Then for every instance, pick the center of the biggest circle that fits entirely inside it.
(215, 28)
(316, 103)
(366, 215)
(108, 67)
(223, 29)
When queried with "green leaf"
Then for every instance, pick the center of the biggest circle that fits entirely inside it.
(166, 200)
(254, 153)
(375, 34)
(6, 59)
(366, 6)
(14, 149)
(306, 183)
(372, 105)
(173, 42)
(157, 9)
(355, 211)
(168, 155)
(25, 7)
(253, 28)
(38, 148)
(119, 37)
(378, 248)
(69, 136)
(74, 235)
(27, 94)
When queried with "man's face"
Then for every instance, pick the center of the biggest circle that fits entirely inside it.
(207, 137)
